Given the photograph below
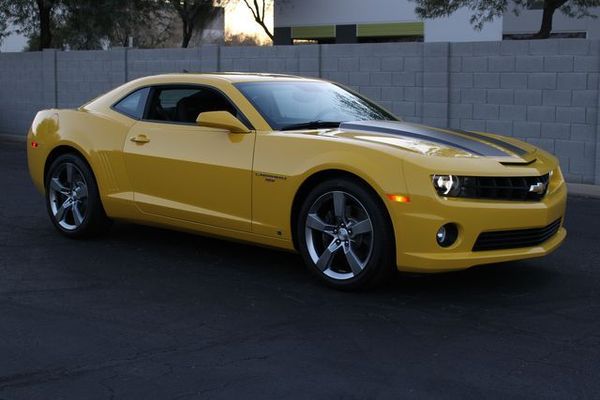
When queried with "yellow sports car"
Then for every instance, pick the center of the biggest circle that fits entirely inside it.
(300, 164)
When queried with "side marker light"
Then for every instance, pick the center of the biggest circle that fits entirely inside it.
(398, 198)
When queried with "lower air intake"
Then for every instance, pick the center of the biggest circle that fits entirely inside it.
(515, 238)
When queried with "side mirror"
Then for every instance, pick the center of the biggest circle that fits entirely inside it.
(221, 120)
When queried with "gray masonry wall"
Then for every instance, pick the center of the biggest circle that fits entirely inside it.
(544, 92)
(22, 85)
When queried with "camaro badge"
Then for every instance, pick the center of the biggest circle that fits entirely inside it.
(538, 188)
(271, 177)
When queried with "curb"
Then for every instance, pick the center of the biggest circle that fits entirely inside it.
(574, 189)
(581, 190)
(12, 138)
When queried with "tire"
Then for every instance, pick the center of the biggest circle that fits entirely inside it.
(72, 198)
(345, 236)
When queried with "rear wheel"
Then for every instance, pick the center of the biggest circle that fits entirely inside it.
(72, 198)
(344, 235)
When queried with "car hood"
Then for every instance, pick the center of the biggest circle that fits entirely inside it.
(439, 142)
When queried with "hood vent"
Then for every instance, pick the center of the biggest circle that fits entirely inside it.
(518, 164)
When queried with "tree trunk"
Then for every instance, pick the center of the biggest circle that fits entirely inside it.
(550, 6)
(187, 34)
(45, 32)
(546, 28)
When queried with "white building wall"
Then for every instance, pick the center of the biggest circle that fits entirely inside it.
(336, 12)
(457, 28)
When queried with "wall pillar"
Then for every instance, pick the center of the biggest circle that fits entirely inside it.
(597, 171)
(283, 36)
(436, 84)
(345, 34)
(120, 73)
(49, 86)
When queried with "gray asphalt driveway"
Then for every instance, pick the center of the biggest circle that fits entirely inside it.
(146, 313)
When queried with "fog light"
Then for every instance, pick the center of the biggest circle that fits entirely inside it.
(447, 235)
(441, 235)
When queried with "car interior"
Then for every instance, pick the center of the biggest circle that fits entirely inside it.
(183, 105)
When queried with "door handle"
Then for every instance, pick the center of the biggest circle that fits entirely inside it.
(140, 139)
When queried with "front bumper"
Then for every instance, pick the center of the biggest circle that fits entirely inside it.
(416, 224)
(454, 261)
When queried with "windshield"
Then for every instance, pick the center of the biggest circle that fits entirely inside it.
(291, 105)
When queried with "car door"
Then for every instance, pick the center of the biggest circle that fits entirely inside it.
(188, 172)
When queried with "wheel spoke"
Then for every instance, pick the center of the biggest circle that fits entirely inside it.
(69, 169)
(57, 186)
(353, 261)
(60, 213)
(339, 205)
(325, 259)
(361, 227)
(82, 193)
(77, 217)
(314, 222)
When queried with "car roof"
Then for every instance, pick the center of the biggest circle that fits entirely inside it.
(232, 77)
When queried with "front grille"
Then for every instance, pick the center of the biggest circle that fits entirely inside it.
(515, 238)
(524, 188)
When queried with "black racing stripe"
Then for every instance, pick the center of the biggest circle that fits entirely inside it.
(398, 132)
(509, 146)
(418, 132)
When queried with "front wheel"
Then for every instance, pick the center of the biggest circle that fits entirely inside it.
(345, 236)
(72, 198)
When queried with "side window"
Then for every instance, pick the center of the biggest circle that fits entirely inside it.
(183, 104)
(133, 105)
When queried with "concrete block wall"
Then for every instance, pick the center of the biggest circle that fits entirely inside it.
(389, 73)
(545, 92)
(82, 75)
(158, 61)
(21, 90)
(297, 60)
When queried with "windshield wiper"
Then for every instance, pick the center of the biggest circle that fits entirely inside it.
(312, 124)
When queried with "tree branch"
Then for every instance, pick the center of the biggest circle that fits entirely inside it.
(256, 13)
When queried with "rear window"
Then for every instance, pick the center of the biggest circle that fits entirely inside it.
(134, 104)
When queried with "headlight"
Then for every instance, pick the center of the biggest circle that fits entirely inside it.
(446, 185)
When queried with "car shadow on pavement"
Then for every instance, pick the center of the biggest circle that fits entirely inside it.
(196, 257)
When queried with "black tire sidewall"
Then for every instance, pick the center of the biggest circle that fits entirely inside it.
(381, 263)
(95, 219)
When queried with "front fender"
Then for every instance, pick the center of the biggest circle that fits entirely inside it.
(283, 162)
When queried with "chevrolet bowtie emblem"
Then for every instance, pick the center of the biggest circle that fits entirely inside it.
(538, 188)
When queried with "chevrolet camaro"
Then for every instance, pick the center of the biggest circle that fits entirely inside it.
(298, 164)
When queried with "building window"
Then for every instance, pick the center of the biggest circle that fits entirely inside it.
(321, 34)
(390, 32)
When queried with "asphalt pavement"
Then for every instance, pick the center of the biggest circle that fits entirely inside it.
(145, 313)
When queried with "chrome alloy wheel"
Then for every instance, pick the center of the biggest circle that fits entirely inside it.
(68, 196)
(339, 235)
